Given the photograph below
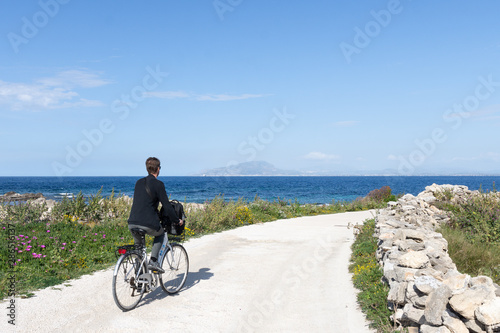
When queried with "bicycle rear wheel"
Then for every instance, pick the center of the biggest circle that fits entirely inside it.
(126, 290)
(176, 266)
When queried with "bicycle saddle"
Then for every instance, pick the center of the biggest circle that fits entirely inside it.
(138, 231)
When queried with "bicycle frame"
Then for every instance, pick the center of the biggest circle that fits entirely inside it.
(147, 278)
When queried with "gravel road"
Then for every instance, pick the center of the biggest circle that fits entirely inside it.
(283, 276)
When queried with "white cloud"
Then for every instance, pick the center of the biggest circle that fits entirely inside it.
(202, 97)
(392, 157)
(316, 155)
(74, 78)
(223, 97)
(51, 92)
(167, 94)
(489, 156)
(346, 123)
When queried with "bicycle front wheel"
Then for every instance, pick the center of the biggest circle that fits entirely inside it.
(176, 266)
(127, 292)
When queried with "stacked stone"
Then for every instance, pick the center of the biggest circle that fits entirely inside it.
(427, 293)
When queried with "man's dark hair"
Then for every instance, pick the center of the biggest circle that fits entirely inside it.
(152, 165)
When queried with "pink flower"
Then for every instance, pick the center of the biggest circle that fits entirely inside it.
(44, 255)
(62, 248)
(95, 234)
(18, 259)
(73, 242)
(42, 246)
(64, 243)
(34, 237)
(94, 240)
(84, 236)
(21, 235)
(20, 251)
(48, 230)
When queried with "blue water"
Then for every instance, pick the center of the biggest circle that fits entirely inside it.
(200, 189)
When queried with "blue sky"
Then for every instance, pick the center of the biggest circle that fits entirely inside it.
(338, 87)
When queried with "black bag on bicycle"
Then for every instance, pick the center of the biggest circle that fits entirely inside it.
(174, 228)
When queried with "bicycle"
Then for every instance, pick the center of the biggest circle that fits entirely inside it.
(132, 278)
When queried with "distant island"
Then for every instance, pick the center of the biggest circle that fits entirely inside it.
(263, 168)
(253, 168)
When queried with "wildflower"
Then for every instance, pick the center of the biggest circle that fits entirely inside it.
(64, 244)
(48, 230)
(103, 236)
(42, 246)
(73, 242)
(20, 251)
(21, 235)
(95, 240)
(62, 248)
(34, 237)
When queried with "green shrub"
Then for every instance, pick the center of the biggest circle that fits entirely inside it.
(478, 216)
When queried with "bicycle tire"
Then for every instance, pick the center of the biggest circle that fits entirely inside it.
(176, 266)
(125, 290)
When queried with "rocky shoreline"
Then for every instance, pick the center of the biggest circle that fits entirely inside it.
(14, 197)
(427, 293)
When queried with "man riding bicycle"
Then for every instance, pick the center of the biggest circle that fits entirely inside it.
(148, 192)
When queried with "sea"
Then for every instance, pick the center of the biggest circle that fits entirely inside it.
(311, 189)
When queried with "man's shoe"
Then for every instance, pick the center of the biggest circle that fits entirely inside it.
(154, 266)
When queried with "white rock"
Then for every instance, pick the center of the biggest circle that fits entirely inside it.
(489, 312)
(414, 260)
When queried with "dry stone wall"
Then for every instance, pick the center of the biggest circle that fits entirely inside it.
(427, 293)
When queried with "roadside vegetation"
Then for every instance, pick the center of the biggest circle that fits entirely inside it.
(78, 236)
(473, 232)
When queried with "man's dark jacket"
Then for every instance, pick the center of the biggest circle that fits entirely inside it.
(145, 207)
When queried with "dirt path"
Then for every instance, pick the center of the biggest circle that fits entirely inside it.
(282, 276)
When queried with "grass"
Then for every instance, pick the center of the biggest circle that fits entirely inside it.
(79, 236)
(367, 275)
